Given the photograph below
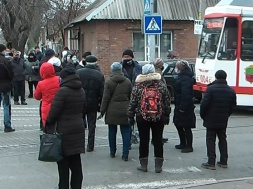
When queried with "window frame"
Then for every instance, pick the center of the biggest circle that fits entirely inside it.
(157, 45)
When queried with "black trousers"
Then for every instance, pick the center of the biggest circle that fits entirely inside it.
(41, 124)
(210, 144)
(91, 120)
(185, 136)
(144, 134)
(19, 90)
(74, 164)
(32, 84)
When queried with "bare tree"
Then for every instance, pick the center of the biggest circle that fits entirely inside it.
(16, 20)
(23, 19)
(60, 13)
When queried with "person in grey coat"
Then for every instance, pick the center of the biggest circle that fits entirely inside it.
(114, 106)
(18, 65)
(32, 73)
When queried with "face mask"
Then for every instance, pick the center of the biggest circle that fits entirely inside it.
(30, 59)
(68, 57)
(74, 59)
(128, 62)
(16, 58)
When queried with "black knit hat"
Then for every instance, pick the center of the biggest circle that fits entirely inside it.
(2, 47)
(128, 52)
(221, 74)
(67, 71)
(86, 54)
(49, 52)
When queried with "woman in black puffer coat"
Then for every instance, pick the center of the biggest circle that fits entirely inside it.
(184, 116)
(67, 110)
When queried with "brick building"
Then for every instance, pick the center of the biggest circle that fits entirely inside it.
(108, 27)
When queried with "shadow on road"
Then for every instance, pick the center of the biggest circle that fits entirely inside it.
(246, 111)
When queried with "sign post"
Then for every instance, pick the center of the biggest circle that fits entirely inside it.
(152, 27)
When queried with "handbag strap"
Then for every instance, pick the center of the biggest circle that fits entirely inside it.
(114, 90)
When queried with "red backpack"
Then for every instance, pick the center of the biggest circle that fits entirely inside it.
(151, 103)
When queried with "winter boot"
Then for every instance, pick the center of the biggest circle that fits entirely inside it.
(158, 165)
(144, 164)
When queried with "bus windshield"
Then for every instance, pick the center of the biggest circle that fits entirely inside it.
(210, 37)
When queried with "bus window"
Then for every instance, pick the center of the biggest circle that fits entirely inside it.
(247, 41)
(228, 45)
(210, 37)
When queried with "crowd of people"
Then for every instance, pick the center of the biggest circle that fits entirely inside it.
(72, 92)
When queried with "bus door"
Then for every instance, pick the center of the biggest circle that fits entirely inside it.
(246, 65)
(227, 55)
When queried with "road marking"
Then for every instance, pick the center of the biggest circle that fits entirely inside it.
(7, 178)
(155, 184)
(182, 170)
(25, 108)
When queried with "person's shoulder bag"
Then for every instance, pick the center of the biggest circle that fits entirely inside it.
(50, 147)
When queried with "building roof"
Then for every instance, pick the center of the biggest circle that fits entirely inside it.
(133, 9)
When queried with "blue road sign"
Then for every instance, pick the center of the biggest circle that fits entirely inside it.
(147, 6)
(152, 24)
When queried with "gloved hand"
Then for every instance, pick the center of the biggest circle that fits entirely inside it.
(131, 121)
(100, 116)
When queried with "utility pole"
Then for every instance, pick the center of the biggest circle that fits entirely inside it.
(202, 8)
(151, 37)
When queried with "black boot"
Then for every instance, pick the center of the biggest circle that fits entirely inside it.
(158, 165)
(182, 139)
(187, 150)
(189, 139)
(144, 164)
(180, 146)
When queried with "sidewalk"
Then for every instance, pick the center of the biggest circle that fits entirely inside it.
(241, 183)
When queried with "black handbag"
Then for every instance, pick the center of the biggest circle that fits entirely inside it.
(50, 147)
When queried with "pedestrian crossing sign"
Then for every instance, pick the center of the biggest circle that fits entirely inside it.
(153, 24)
(147, 8)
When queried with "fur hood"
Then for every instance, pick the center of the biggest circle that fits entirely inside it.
(149, 77)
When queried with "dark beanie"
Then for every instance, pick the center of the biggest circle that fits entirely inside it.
(221, 74)
(67, 71)
(49, 52)
(2, 47)
(128, 52)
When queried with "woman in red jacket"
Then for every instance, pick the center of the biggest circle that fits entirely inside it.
(46, 89)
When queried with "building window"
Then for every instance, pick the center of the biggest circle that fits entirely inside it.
(74, 39)
(163, 43)
(166, 43)
(138, 46)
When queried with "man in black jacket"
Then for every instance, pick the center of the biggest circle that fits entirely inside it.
(215, 109)
(93, 85)
(6, 76)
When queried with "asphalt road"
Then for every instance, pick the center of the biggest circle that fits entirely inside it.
(21, 169)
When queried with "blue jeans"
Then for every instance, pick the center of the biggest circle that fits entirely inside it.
(5, 98)
(125, 132)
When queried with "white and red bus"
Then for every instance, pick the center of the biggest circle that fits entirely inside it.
(227, 43)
